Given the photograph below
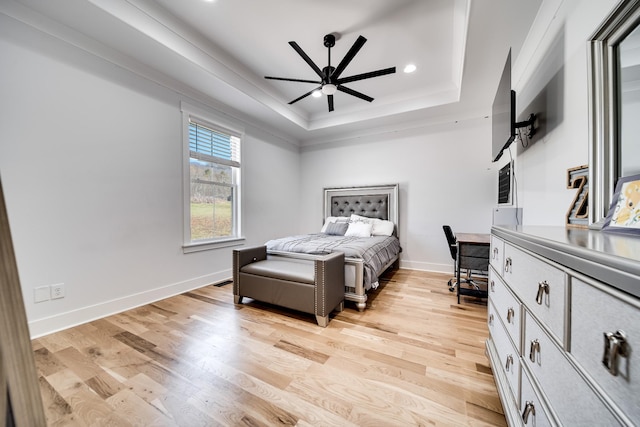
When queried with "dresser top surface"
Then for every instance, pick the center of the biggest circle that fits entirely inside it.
(608, 257)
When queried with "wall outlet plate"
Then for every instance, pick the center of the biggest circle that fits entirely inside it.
(42, 293)
(57, 291)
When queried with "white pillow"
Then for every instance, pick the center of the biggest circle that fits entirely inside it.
(382, 227)
(359, 229)
(358, 218)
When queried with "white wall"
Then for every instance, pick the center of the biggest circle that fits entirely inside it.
(90, 160)
(550, 78)
(445, 176)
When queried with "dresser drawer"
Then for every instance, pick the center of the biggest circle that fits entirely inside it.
(575, 402)
(507, 307)
(595, 313)
(533, 412)
(509, 359)
(496, 256)
(541, 287)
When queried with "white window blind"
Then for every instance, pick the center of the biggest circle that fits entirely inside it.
(213, 145)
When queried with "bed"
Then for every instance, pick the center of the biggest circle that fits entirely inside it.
(347, 214)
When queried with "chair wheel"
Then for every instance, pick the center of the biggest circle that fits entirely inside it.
(452, 286)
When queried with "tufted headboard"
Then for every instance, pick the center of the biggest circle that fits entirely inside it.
(376, 201)
(374, 206)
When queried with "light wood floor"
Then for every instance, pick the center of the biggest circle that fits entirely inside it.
(413, 357)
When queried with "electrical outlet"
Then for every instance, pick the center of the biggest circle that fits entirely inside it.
(57, 291)
(42, 293)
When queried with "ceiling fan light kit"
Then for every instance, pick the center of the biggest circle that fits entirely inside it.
(329, 89)
(330, 81)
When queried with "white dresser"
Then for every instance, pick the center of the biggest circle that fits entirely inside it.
(564, 322)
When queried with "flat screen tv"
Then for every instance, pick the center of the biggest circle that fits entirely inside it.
(503, 114)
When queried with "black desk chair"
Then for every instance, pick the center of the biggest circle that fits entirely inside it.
(453, 248)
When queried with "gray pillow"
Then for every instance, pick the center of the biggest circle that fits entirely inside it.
(336, 228)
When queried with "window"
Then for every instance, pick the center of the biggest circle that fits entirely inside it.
(212, 183)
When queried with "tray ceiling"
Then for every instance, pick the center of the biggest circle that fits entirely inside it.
(222, 49)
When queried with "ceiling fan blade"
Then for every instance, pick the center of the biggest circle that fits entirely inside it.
(368, 75)
(349, 56)
(306, 58)
(355, 93)
(305, 95)
(286, 79)
(330, 101)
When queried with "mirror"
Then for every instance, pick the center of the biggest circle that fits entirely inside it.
(614, 91)
(629, 63)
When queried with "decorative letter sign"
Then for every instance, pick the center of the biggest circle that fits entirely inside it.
(578, 214)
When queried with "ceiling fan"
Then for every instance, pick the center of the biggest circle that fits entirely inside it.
(330, 80)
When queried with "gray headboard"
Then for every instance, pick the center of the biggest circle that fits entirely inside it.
(375, 201)
(374, 206)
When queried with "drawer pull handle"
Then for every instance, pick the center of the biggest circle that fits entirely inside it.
(495, 253)
(491, 319)
(543, 289)
(615, 344)
(510, 314)
(509, 363)
(535, 347)
(529, 409)
(493, 286)
(507, 265)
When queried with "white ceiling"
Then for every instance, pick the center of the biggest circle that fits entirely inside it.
(221, 50)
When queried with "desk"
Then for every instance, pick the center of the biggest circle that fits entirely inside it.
(473, 254)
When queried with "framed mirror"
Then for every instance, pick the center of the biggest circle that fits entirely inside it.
(614, 92)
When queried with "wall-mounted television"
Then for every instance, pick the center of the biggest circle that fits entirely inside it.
(503, 114)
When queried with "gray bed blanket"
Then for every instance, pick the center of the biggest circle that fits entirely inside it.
(375, 251)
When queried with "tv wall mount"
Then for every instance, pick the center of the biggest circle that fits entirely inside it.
(528, 124)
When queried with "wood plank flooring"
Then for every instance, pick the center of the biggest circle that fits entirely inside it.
(413, 357)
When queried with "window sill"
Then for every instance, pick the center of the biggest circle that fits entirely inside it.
(188, 248)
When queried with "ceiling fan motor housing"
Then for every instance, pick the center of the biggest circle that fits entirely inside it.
(329, 40)
(327, 71)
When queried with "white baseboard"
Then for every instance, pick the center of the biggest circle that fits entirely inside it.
(48, 325)
(61, 321)
(427, 266)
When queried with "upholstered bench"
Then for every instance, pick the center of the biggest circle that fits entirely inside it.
(314, 286)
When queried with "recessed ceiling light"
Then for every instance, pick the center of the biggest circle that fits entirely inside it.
(409, 68)
(317, 93)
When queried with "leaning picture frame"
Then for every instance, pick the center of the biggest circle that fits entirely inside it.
(624, 211)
